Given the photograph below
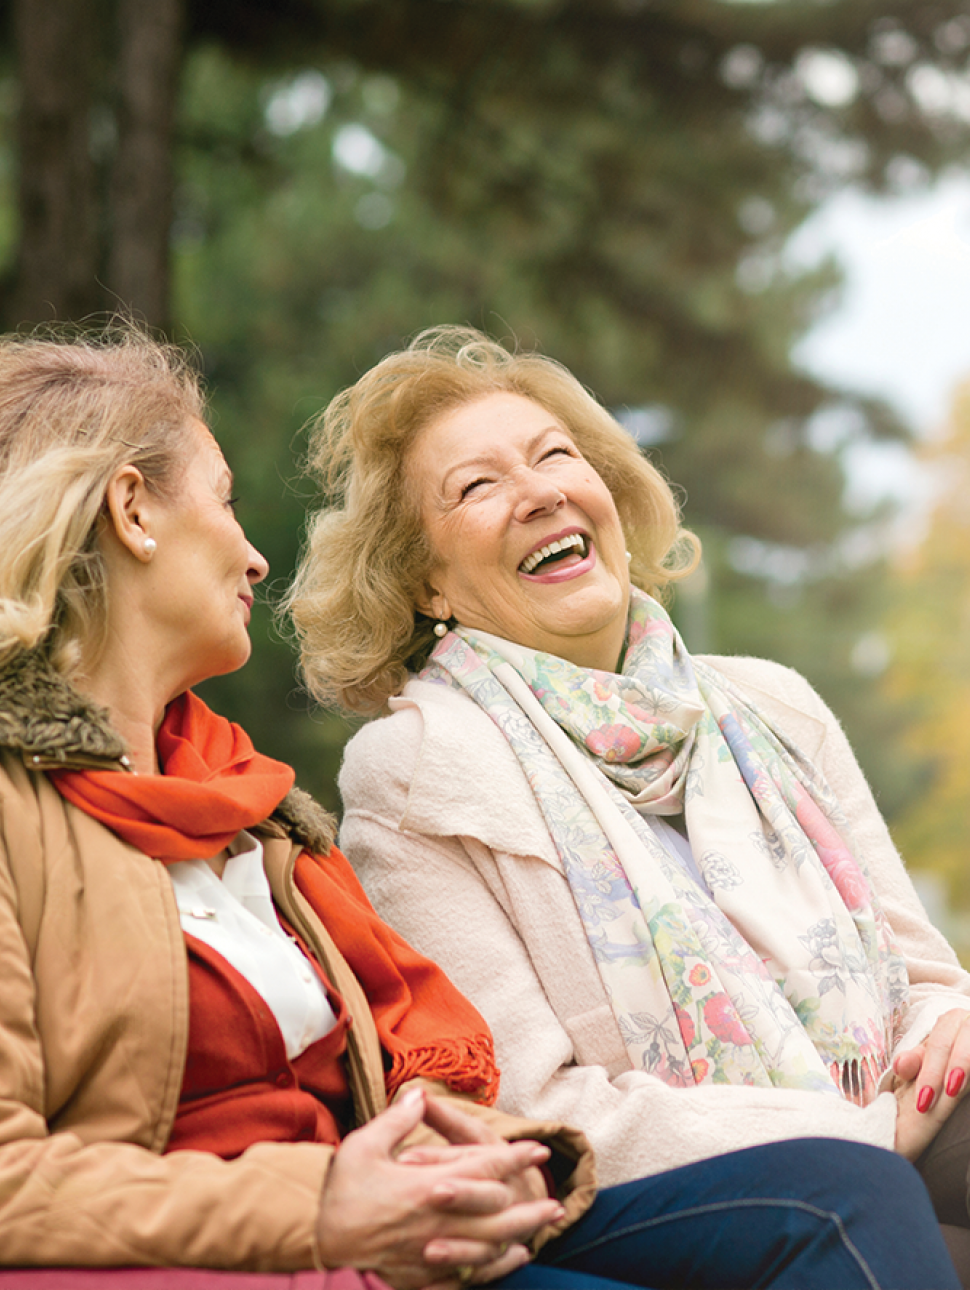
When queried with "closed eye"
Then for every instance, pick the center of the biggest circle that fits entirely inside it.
(560, 449)
(475, 483)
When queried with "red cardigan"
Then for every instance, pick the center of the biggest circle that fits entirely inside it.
(239, 1086)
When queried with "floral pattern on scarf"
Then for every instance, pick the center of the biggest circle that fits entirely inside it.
(763, 957)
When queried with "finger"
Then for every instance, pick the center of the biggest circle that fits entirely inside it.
(480, 1239)
(500, 1162)
(472, 1196)
(460, 1128)
(958, 1063)
(916, 1129)
(939, 1047)
(389, 1129)
(455, 1124)
(514, 1257)
(462, 1252)
(427, 1155)
(907, 1065)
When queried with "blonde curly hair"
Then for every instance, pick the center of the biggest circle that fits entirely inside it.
(366, 558)
(73, 408)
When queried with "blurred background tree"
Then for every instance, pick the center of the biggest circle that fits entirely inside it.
(928, 626)
(299, 186)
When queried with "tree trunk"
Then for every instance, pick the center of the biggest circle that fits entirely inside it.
(57, 272)
(149, 58)
(98, 85)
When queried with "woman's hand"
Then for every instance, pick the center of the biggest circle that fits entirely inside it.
(463, 1131)
(437, 1216)
(932, 1079)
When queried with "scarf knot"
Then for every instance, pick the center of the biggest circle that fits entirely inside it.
(214, 785)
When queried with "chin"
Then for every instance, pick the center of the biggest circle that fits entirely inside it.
(227, 661)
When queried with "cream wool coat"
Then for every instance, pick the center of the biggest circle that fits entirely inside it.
(94, 1027)
(449, 842)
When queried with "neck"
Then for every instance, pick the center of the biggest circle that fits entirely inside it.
(136, 702)
(603, 652)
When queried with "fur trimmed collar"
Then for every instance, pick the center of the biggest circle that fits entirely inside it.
(42, 714)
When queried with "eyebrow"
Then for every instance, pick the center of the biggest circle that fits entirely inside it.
(473, 463)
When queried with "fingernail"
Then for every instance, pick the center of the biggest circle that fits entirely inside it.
(955, 1083)
(925, 1099)
(410, 1097)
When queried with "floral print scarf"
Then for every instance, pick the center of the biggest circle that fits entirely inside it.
(763, 957)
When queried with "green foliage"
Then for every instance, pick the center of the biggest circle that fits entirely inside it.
(612, 182)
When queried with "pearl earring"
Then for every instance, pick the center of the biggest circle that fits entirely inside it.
(149, 546)
(440, 630)
(629, 556)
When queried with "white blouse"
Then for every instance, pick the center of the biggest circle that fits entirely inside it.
(236, 917)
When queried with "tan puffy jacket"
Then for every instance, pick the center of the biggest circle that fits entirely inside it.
(94, 1025)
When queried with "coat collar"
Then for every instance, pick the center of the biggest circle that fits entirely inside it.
(466, 780)
(53, 726)
(42, 716)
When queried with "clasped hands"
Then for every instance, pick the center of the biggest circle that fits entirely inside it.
(432, 1217)
(930, 1080)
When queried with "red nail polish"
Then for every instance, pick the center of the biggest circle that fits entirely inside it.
(955, 1083)
(925, 1099)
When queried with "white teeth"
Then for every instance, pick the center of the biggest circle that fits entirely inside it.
(553, 548)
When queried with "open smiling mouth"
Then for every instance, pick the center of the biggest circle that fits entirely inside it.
(547, 556)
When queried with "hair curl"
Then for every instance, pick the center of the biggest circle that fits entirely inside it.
(366, 557)
(73, 409)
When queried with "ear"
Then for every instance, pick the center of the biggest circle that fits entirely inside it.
(433, 604)
(128, 507)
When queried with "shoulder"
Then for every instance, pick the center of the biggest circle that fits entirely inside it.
(781, 694)
(427, 723)
(766, 676)
(436, 765)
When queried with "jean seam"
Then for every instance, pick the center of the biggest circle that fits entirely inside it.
(750, 1202)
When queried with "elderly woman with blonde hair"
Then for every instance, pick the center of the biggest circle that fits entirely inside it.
(215, 1058)
(662, 878)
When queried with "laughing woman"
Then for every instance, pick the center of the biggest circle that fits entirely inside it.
(661, 878)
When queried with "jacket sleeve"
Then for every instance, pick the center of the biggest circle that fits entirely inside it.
(89, 1195)
(64, 1202)
(451, 898)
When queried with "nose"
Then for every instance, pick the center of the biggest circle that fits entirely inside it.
(258, 566)
(536, 495)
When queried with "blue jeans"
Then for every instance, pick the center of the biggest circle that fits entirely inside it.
(808, 1214)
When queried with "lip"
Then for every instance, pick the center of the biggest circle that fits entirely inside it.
(248, 602)
(568, 572)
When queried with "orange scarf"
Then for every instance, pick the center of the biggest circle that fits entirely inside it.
(214, 784)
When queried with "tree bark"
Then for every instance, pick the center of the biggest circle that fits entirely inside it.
(57, 273)
(149, 59)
